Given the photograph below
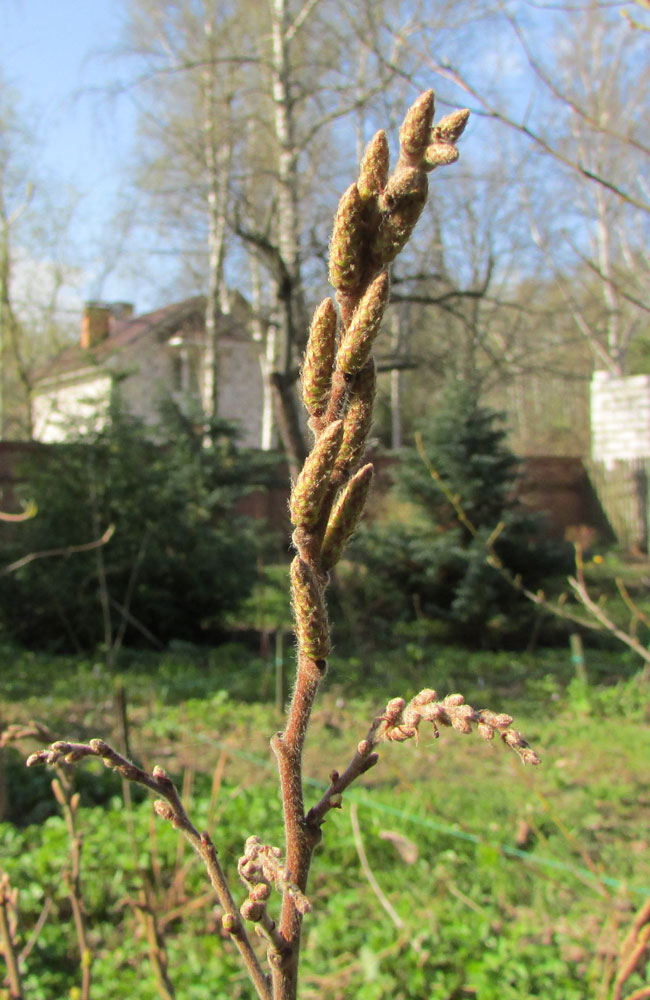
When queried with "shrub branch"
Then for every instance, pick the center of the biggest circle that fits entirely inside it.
(401, 721)
(374, 221)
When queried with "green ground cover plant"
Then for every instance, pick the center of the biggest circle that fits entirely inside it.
(458, 841)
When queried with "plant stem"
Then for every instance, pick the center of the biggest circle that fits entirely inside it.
(300, 837)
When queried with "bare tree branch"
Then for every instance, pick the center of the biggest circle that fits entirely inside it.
(66, 550)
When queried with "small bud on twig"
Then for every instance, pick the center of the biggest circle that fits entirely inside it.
(260, 892)
(252, 910)
(230, 923)
(425, 697)
(164, 810)
(394, 709)
(440, 154)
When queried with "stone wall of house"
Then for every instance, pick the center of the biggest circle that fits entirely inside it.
(620, 417)
(241, 391)
(152, 378)
(146, 378)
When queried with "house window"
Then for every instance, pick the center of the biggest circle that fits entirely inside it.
(192, 372)
(177, 372)
(185, 369)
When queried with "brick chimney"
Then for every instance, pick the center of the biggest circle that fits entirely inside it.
(95, 323)
(96, 320)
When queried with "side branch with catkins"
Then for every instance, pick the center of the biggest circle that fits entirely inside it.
(401, 721)
(169, 807)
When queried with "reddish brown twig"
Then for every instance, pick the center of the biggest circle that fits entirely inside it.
(633, 952)
(8, 906)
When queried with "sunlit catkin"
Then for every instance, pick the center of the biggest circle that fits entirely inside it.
(355, 350)
(373, 172)
(347, 251)
(319, 359)
(345, 516)
(415, 133)
(312, 627)
(358, 421)
(312, 483)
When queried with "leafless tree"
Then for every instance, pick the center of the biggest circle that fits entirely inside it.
(573, 90)
(33, 271)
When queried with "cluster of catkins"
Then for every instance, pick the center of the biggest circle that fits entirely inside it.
(401, 721)
(260, 868)
(374, 220)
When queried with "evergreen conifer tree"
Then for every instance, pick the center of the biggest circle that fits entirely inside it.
(431, 563)
(180, 555)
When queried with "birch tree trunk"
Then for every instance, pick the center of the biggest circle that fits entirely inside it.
(218, 151)
(289, 294)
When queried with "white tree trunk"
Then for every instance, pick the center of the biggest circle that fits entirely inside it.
(218, 159)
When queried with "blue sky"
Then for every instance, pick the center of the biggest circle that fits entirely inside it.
(53, 53)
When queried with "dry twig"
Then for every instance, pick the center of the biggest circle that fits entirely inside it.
(633, 952)
(8, 944)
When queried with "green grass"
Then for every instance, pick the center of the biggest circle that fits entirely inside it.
(520, 882)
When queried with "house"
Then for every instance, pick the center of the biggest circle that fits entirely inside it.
(148, 359)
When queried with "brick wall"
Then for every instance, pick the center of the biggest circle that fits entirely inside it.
(558, 487)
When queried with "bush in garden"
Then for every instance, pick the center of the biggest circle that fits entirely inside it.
(179, 557)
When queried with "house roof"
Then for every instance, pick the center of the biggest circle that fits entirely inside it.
(161, 323)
